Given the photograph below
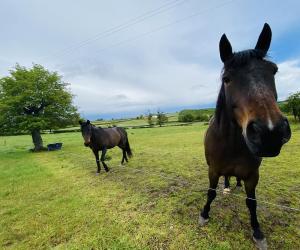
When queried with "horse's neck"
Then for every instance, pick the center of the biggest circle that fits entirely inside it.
(229, 131)
(96, 132)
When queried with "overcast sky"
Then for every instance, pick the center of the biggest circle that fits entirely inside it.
(126, 57)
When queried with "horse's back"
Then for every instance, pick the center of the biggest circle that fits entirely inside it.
(122, 131)
(109, 137)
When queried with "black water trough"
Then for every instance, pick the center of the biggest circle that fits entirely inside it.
(54, 146)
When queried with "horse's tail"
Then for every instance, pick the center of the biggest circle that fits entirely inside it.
(127, 148)
(124, 137)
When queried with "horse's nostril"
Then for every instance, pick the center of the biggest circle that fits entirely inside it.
(286, 123)
(253, 132)
(253, 128)
(286, 130)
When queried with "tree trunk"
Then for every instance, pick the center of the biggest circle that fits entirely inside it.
(37, 140)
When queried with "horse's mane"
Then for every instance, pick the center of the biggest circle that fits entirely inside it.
(243, 57)
(221, 106)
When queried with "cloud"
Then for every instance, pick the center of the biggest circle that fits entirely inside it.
(172, 67)
(288, 78)
(165, 85)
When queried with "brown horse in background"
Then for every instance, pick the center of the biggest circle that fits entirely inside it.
(101, 139)
(247, 125)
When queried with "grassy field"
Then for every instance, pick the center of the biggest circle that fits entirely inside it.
(54, 199)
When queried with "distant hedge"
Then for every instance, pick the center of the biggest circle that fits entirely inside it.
(191, 115)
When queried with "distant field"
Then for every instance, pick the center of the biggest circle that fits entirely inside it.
(172, 117)
(54, 199)
(127, 123)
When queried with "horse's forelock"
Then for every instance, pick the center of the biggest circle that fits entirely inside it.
(243, 57)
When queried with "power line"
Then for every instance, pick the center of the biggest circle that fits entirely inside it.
(115, 29)
(166, 25)
(162, 27)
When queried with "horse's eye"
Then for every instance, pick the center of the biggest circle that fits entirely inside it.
(226, 80)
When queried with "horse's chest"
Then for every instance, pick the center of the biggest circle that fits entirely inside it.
(239, 165)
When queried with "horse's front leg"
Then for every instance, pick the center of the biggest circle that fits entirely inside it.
(211, 195)
(96, 153)
(104, 150)
(258, 235)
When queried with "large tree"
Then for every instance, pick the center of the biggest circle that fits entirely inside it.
(34, 99)
(161, 118)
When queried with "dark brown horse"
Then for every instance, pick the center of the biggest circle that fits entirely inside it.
(101, 139)
(247, 124)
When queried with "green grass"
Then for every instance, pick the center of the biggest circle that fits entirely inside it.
(54, 199)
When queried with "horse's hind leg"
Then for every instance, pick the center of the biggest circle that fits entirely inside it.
(226, 185)
(96, 153)
(211, 195)
(258, 235)
(124, 157)
(103, 158)
(238, 182)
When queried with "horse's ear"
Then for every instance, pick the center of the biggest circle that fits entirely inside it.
(80, 122)
(88, 122)
(264, 40)
(225, 49)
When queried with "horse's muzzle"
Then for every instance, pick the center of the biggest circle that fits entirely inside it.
(264, 141)
(86, 144)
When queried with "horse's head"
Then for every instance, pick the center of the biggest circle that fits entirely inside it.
(86, 131)
(248, 94)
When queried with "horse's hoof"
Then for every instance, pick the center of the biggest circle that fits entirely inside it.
(226, 190)
(202, 221)
(107, 169)
(97, 173)
(261, 244)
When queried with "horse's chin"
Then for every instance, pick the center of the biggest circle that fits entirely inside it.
(263, 150)
(268, 154)
(86, 144)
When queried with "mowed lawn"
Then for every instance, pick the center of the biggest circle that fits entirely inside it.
(55, 200)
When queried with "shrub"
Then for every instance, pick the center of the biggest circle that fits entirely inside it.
(190, 115)
(187, 118)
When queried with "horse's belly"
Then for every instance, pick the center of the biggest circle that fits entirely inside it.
(237, 167)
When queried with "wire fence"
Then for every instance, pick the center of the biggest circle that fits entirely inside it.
(202, 189)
